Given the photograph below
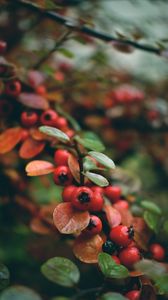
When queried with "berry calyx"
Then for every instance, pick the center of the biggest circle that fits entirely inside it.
(62, 176)
(109, 247)
(157, 251)
(95, 226)
(129, 256)
(29, 119)
(122, 235)
(82, 198)
(13, 88)
(49, 117)
(68, 192)
(61, 157)
(133, 295)
(113, 193)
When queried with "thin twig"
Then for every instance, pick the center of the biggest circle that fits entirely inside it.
(80, 161)
(75, 26)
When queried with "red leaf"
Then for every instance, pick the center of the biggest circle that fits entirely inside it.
(74, 167)
(9, 139)
(31, 148)
(142, 233)
(39, 167)
(68, 220)
(113, 216)
(33, 101)
(87, 249)
(126, 216)
(37, 135)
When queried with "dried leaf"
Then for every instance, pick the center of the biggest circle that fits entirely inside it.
(33, 101)
(113, 216)
(147, 289)
(39, 167)
(9, 139)
(87, 249)
(74, 167)
(142, 233)
(68, 220)
(30, 148)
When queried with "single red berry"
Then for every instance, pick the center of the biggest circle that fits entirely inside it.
(68, 193)
(49, 117)
(122, 235)
(113, 193)
(116, 259)
(97, 202)
(41, 90)
(95, 226)
(5, 107)
(82, 198)
(3, 46)
(97, 189)
(13, 88)
(121, 205)
(157, 252)
(129, 256)
(61, 123)
(133, 295)
(29, 118)
(62, 176)
(61, 157)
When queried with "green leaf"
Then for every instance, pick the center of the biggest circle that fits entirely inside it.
(109, 267)
(102, 159)
(49, 4)
(54, 132)
(89, 164)
(19, 293)
(60, 298)
(161, 284)
(165, 227)
(90, 143)
(151, 268)
(152, 220)
(112, 296)
(4, 276)
(66, 52)
(61, 271)
(150, 206)
(97, 179)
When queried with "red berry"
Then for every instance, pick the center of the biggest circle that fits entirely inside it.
(129, 256)
(62, 176)
(82, 198)
(95, 226)
(116, 259)
(157, 251)
(29, 118)
(122, 235)
(97, 189)
(61, 157)
(68, 192)
(113, 192)
(3, 46)
(41, 90)
(97, 202)
(61, 123)
(13, 88)
(121, 205)
(69, 132)
(49, 117)
(133, 295)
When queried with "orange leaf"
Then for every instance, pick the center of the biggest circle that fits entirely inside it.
(9, 139)
(39, 167)
(126, 216)
(68, 220)
(113, 216)
(31, 148)
(74, 167)
(87, 249)
(37, 135)
(142, 233)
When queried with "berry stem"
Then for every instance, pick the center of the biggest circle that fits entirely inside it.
(80, 161)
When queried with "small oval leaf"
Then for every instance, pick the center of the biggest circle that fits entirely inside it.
(102, 159)
(33, 101)
(110, 268)
(55, 132)
(61, 271)
(87, 249)
(97, 178)
(113, 216)
(90, 143)
(68, 220)
(19, 292)
(9, 139)
(152, 220)
(112, 296)
(150, 206)
(39, 167)
(30, 148)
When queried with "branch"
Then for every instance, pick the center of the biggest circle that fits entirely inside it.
(74, 25)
